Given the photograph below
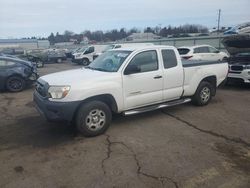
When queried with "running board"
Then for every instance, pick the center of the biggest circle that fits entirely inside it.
(155, 107)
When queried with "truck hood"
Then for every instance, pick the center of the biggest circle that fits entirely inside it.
(235, 44)
(76, 77)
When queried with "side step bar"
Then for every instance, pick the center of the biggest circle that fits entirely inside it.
(155, 107)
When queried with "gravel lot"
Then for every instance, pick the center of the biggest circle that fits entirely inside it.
(183, 146)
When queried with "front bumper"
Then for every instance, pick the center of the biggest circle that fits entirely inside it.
(55, 111)
(244, 75)
(78, 61)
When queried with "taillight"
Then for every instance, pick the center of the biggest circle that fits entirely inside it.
(187, 57)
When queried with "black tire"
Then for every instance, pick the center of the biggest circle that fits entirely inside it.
(15, 84)
(203, 94)
(93, 118)
(85, 62)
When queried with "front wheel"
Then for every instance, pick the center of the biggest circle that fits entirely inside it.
(203, 94)
(93, 118)
(85, 62)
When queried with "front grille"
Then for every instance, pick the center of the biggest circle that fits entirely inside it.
(41, 89)
(235, 72)
(237, 67)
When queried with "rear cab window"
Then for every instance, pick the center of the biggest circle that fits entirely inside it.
(169, 58)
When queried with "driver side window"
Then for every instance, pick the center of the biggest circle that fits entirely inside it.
(145, 61)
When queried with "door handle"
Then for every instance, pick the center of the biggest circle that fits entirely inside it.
(158, 77)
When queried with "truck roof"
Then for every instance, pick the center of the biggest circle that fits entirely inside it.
(195, 46)
(133, 48)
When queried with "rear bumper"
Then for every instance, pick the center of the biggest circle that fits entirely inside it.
(55, 111)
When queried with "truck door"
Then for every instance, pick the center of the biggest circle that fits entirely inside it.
(173, 75)
(143, 80)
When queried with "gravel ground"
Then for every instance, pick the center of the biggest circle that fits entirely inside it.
(182, 146)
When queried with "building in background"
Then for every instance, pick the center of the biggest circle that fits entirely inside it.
(25, 44)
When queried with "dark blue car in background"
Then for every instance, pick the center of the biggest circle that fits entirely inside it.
(16, 74)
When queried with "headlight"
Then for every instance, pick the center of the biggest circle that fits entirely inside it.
(58, 92)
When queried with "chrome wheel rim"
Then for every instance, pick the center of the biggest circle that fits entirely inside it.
(95, 120)
(205, 94)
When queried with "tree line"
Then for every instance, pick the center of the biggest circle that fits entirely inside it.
(122, 34)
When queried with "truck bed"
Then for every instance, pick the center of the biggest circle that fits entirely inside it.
(195, 71)
(193, 63)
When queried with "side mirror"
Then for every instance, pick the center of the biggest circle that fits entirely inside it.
(217, 51)
(131, 69)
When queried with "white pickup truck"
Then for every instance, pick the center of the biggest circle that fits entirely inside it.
(127, 81)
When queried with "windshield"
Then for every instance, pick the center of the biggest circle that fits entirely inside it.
(109, 47)
(81, 50)
(109, 61)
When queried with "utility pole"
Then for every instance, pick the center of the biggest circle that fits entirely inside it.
(218, 27)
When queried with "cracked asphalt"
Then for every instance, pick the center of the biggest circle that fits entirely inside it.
(183, 146)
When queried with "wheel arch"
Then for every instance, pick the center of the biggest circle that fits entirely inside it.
(14, 75)
(213, 81)
(105, 98)
(11, 75)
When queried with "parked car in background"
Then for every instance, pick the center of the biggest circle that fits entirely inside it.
(16, 74)
(239, 29)
(56, 55)
(84, 55)
(43, 56)
(12, 51)
(202, 52)
(239, 61)
(129, 81)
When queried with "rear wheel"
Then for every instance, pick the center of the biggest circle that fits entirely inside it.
(93, 118)
(203, 94)
(15, 84)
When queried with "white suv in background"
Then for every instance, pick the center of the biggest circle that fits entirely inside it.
(202, 52)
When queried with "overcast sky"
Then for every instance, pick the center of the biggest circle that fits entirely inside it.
(26, 18)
